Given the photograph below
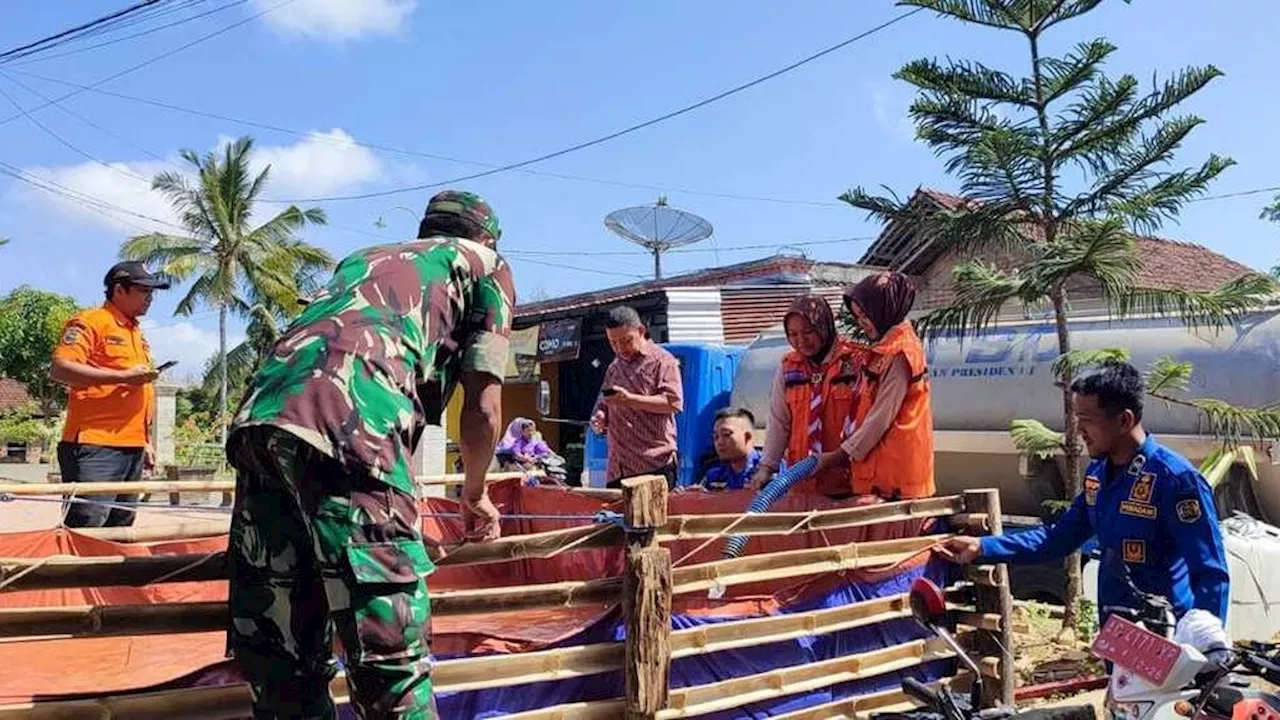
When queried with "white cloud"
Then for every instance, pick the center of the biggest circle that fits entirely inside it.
(184, 341)
(337, 19)
(323, 163)
(890, 111)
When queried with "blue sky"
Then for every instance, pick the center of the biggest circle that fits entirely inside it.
(502, 81)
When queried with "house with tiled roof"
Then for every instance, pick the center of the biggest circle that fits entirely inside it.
(1166, 263)
(13, 394)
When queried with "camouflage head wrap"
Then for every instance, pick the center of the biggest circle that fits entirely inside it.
(452, 205)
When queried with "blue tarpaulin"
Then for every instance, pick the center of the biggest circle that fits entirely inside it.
(715, 667)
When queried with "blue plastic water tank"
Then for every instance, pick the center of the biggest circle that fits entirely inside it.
(707, 373)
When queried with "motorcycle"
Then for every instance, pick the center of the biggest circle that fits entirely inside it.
(1155, 677)
(929, 608)
(552, 467)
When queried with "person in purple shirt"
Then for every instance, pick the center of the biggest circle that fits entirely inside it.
(521, 443)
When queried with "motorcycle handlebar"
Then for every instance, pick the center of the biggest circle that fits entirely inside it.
(925, 694)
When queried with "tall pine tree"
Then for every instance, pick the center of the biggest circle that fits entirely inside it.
(1059, 165)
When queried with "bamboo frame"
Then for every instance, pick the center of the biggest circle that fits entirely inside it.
(142, 487)
(739, 691)
(861, 706)
(508, 670)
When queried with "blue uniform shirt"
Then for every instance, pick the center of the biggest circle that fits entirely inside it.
(1157, 515)
(721, 476)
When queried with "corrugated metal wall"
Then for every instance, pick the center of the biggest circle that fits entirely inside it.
(746, 310)
(693, 315)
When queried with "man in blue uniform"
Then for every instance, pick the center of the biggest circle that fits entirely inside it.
(734, 432)
(1150, 508)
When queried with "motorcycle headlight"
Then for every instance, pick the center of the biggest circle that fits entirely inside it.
(1129, 710)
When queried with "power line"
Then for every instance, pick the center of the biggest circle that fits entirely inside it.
(90, 202)
(35, 45)
(625, 131)
(154, 59)
(425, 155)
(139, 34)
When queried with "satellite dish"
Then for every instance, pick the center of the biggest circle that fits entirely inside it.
(658, 228)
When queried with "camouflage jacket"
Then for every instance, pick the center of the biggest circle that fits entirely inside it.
(396, 323)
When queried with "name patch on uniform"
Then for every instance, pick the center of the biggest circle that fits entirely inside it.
(1091, 486)
(1137, 509)
(1135, 551)
(1188, 510)
(1142, 487)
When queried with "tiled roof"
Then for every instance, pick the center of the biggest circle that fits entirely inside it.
(1165, 263)
(12, 394)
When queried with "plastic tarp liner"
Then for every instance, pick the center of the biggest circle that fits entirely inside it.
(65, 668)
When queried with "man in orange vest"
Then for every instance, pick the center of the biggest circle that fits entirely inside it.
(106, 362)
(892, 447)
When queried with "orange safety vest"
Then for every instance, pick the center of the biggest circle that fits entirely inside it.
(901, 465)
(839, 380)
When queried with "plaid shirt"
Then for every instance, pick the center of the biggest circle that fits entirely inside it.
(641, 441)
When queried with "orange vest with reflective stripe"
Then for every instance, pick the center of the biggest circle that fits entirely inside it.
(839, 380)
(901, 464)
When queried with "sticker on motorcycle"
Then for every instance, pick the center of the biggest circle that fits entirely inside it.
(1188, 510)
(1135, 551)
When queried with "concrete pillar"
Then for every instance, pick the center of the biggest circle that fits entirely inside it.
(429, 458)
(165, 423)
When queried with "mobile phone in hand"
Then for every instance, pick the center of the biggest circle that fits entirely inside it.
(609, 391)
(166, 366)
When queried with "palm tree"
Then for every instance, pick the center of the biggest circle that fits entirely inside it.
(235, 266)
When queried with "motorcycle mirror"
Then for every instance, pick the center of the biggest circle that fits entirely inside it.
(544, 398)
(928, 603)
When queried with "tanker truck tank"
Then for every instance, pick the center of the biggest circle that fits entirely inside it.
(1005, 373)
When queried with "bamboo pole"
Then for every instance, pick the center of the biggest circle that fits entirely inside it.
(736, 692)
(995, 599)
(646, 599)
(180, 486)
(196, 529)
(595, 710)
(690, 527)
(860, 706)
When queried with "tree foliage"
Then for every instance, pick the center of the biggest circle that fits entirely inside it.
(233, 266)
(1059, 166)
(31, 322)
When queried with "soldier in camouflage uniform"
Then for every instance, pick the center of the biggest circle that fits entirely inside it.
(325, 529)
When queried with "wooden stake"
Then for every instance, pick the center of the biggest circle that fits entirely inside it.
(995, 598)
(646, 598)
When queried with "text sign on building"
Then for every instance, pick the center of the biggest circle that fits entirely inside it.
(559, 340)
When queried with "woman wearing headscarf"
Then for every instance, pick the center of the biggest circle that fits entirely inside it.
(521, 444)
(813, 399)
(892, 447)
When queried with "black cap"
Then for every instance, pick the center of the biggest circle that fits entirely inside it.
(134, 273)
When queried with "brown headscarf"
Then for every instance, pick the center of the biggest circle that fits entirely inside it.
(817, 311)
(885, 299)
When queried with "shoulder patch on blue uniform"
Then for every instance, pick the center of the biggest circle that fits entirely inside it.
(1135, 551)
(1142, 488)
(1091, 487)
(1188, 510)
(1137, 509)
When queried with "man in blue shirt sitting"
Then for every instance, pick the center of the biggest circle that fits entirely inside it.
(738, 458)
(1150, 508)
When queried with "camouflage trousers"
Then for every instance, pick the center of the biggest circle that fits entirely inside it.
(313, 547)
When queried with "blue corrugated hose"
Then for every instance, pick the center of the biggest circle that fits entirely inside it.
(781, 483)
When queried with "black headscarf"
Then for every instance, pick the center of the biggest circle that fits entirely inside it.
(885, 299)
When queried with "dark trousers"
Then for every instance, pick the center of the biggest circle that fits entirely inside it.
(98, 463)
(671, 472)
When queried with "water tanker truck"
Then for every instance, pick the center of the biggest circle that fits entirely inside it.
(984, 382)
